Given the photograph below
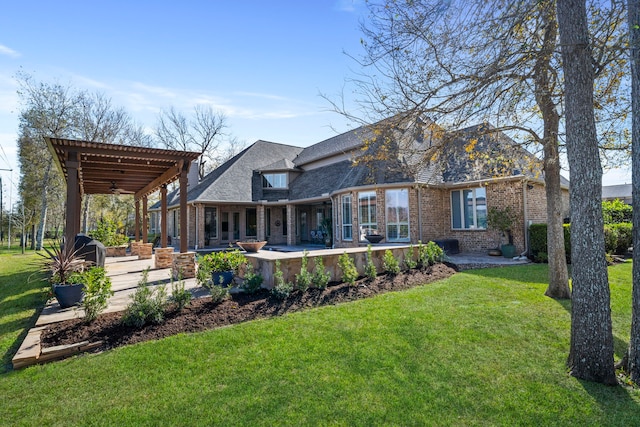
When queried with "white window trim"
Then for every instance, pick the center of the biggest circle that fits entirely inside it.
(474, 226)
(350, 219)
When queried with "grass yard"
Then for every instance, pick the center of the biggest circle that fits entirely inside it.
(484, 347)
(22, 294)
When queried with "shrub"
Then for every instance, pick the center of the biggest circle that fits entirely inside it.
(320, 277)
(252, 281)
(370, 269)
(434, 253)
(625, 237)
(218, 293)
(610, 239)
(107, 233)
(538, 241)
(179, 294)
(147, 305)
(390, 263)
(97, 290)
(616, 211)
(282, 289)
(423, 259)
(349, 271)
(409, 262)
(304, 278)
(223, 261)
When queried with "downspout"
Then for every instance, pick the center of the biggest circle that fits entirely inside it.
(197, 208)
(419, 213)
(525, 187)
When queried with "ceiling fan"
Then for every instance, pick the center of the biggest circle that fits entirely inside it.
(117, 191)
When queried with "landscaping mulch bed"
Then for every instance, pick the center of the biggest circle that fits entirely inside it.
(202, 314)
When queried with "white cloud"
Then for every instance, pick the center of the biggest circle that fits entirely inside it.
(347, 5)
(262, 95)
(4, 50)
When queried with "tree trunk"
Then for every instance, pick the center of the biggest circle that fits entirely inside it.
(33, 237)
(43, 210)
(591, 352)
(634, 41)
(558, 274)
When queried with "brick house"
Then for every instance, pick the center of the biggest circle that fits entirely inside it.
(282, 193)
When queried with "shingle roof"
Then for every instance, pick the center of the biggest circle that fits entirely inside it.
(280, 165)
(232, 181)
(620, 191)
(343, 143)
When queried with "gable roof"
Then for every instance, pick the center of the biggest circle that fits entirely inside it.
(232, 181)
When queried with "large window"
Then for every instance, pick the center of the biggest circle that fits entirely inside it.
(469, 209)
(210, 224)
(347, 220)
(251, 220)
(274, 180)
(367, 213)
(397, 202)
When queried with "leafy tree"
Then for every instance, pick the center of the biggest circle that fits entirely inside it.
(591, 353)
(463, 61)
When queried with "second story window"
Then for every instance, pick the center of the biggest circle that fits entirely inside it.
(274, 180)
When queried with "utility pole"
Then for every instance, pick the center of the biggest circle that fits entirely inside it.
(1, 206)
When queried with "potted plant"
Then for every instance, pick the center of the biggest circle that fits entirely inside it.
(502, 220)
(222, 266)
(326, 228)
(62, 266)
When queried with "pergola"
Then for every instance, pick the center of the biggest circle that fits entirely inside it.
(98, 168)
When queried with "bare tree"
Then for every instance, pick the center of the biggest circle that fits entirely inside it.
(201, 133)
(591, 353)
(463, 62)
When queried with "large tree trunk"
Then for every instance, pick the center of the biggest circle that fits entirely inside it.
(591, 353)
(634, 41)
(43, 210)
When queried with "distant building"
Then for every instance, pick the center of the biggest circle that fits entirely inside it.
(620, 191)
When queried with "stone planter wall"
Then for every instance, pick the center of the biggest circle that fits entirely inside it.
(184, 265)
(114, 251)
(164, 257)
(145, 250)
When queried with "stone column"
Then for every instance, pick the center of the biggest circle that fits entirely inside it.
(164, 257)
(184, 265)
(145, 250)
(291, 226)
(261, 223)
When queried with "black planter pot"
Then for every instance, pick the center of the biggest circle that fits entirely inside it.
(222, 278)
(373, 238)
(68, 295)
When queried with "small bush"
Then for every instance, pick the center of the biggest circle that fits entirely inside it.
(370, 269)
(610, 239)
(218, 293)
(97, 290)
(349, 271)
(320, 277)
(625, 237)
(409, 262)
(423, 259)
(434, 253)
(179, 294)
(252, 281)
(538, 241)
(304, 278)
(390, 263)
(147, 305)
(282, 289)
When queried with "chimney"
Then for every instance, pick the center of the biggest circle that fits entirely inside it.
(193, 177)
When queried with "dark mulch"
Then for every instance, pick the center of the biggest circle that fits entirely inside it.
(202, 314)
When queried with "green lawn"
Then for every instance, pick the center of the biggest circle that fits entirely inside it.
(481, 348)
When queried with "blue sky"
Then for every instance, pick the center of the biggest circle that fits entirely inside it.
(262, 63)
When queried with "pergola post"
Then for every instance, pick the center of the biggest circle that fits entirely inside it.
(163, 216)
(72, 225)
(184, 231)
(145, 215)
(136, 232)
